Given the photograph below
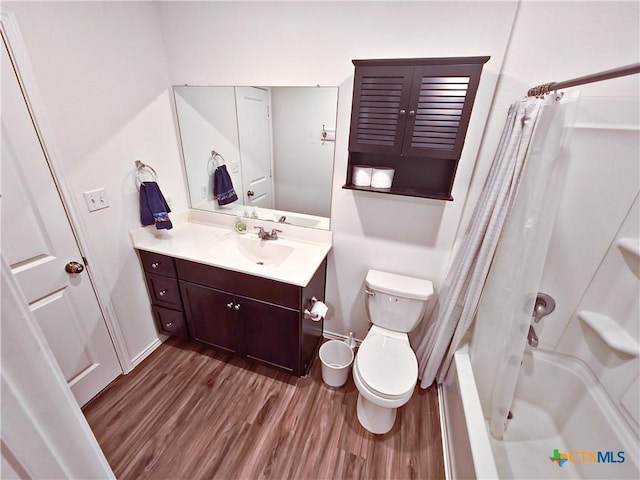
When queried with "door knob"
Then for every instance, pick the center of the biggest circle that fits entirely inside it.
(73, 267)
(250, 193)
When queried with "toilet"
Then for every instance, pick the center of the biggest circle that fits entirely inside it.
(385, 369)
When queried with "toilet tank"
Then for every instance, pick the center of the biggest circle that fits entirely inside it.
(396, 302)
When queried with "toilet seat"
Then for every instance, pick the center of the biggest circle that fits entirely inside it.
(386, 364)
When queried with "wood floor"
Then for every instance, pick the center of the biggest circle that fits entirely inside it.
(188, 412)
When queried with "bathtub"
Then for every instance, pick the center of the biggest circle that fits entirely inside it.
(558, 405)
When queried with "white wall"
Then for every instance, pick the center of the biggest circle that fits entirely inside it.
(103, 78)
(309, 43)
(303, 163)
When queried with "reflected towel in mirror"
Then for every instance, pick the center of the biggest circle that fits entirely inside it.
(223, 189)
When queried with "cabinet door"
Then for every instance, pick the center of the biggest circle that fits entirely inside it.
(439, 110)
(379, 112)
(210, 316)
(271, 334)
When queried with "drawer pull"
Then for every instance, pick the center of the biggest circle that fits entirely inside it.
(230, 304)
(168, 325)
(162, 293)
(155, 264)
(237, 306)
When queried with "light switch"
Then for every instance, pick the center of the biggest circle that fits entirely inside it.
(96, 199)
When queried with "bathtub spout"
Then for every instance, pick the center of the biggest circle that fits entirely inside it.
(532, 338)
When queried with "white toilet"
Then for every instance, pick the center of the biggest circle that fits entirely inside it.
(385, 369)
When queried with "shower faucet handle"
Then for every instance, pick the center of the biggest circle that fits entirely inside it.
(545, 304)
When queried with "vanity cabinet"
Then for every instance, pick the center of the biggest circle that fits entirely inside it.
(412, 115)
(246, 315)
(241, 325)
(164, 291)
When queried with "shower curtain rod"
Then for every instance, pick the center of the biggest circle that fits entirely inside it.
(595, 77)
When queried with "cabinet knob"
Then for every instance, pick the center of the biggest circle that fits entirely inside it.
(168, 325)
(237, 306)
(412, 112)
(402, 112)
(155, 264)
(162, 293)
(230, 304)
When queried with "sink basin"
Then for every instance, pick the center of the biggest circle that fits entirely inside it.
(263, 252)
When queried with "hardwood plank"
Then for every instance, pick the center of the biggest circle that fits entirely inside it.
(196, 413)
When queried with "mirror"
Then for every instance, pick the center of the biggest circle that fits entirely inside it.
(277, 145)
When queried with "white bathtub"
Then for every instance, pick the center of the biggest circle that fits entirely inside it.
(558, 405)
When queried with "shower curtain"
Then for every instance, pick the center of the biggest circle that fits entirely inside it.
(506, 305)
(460, 293)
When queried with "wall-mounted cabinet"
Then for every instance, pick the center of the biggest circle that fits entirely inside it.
(412, 115)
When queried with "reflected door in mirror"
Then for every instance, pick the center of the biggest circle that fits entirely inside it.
(255, 145)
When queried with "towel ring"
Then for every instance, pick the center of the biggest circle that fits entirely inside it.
(212, 159)
(140, 169)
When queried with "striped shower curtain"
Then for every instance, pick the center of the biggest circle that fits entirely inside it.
(463, 285)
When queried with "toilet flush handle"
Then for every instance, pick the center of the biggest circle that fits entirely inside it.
(371, 293)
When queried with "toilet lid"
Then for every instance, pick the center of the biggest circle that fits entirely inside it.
(387, 365)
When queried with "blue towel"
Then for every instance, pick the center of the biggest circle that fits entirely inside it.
(223, 186)
(153, 206)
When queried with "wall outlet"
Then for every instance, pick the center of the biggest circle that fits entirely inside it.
(96, 199)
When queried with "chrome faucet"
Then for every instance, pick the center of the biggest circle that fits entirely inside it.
(282, 219)
(543, 306)
(532, 338)
(264, 235)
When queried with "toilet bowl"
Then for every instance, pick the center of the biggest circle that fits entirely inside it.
(385, 369)
(385, 373)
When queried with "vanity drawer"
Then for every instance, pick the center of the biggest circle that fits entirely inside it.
(156, 263)
(170, 322)
(164, 291)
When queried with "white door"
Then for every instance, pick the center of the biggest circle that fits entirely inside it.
(254, 133)
(38, 243)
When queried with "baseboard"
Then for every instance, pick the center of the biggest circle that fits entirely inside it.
(135, 361)
(338, 336)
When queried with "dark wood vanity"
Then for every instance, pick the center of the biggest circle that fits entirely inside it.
(412, 115)
(243, 314)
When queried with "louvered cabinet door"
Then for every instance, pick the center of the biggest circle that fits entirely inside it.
(379, 112)
(439, 110)
(411, 115)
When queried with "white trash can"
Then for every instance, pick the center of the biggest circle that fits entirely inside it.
(336, 357)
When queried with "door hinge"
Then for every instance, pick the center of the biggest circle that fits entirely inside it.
(84, 260)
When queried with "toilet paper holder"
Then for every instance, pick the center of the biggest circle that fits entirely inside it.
(310, 314)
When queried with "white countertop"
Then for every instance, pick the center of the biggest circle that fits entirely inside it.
(210, 239)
